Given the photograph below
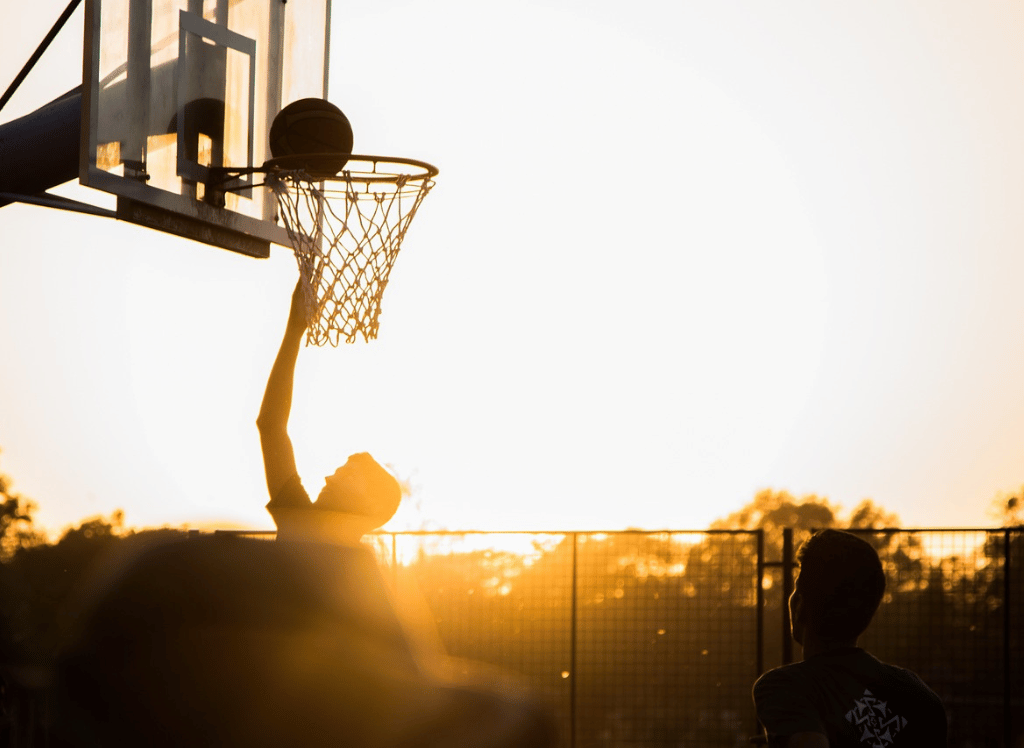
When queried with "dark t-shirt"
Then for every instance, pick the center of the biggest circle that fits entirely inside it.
(854, 699)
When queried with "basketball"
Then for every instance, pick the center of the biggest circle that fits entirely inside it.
(310, 126)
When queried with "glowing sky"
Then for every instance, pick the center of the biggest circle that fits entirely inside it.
(677, 252)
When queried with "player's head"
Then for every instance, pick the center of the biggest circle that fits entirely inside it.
(361, 487)
(839, 588)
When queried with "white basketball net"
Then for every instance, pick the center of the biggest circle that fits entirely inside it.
(346, 231)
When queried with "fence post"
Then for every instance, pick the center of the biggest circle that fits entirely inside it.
(572, 649)
(760, 616)
(760, 603)
(787, 590)
(1007, 680)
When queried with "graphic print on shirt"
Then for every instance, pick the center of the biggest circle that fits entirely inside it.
(878, 725)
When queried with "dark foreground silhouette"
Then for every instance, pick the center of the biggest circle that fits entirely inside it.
(225, 641)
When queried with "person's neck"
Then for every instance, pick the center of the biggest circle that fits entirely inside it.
(815, 645)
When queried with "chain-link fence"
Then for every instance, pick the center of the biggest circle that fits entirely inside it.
(655, 639)
(952, 613)
(632, 638)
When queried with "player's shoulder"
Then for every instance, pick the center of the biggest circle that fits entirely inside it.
(916, 703)
(782, 678)
(896, 672)
(909, 680)
(906, 687)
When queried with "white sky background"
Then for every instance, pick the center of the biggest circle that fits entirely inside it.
(677, 252)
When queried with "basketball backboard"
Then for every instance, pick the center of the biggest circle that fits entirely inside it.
(174, 89)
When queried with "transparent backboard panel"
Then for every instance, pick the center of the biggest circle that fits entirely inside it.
(174, 89)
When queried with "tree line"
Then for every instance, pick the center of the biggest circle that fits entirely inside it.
(639, 638)
(660, 646)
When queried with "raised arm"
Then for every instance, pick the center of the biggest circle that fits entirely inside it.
(278, 455)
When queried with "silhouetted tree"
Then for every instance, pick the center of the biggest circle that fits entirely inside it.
(772, 511)
(666, 622)
(38, 581)
(16, 522)
(1008, 509)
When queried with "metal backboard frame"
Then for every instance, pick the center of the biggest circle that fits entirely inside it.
(174, 89)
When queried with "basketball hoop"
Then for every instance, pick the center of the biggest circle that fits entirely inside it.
(346, 217)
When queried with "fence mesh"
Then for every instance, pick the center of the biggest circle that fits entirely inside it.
(952, 615)
(499, 599)
(632, 639)
(667, 639)
(652, 639)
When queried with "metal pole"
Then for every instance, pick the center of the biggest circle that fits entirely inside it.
(787, 590)
(759, 665)
(39, 52)
(1007, 680)
(137, 73)
(572, 647)
(760, 603)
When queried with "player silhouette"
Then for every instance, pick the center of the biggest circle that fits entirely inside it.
(359, 497)
(840, 696)
(224, 641)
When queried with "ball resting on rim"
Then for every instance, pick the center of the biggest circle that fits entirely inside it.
(310, 126)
